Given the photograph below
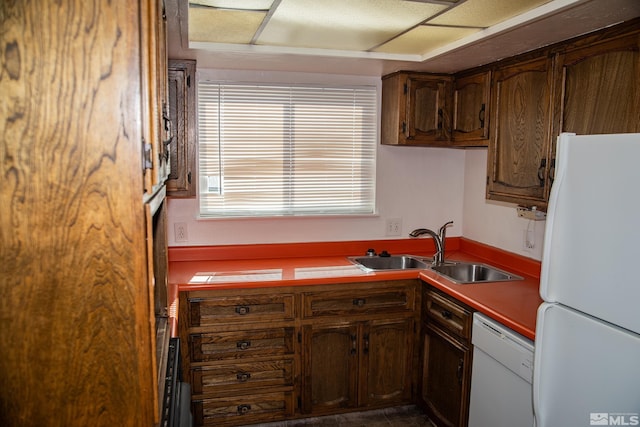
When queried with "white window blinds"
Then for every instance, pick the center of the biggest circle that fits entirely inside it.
(271, 150)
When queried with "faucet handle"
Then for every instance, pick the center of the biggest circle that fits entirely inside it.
(418, 232)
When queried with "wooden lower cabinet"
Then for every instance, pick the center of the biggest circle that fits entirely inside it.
(240, 356)
(445, 380)
(242, 409)
(253, 356)
(330, 367)
(360, 364)
(446, 376)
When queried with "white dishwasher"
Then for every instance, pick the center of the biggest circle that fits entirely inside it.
(501, 390)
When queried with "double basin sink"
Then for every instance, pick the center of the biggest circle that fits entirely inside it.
(457, 271)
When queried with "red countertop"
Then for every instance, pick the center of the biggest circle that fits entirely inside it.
(512, 303)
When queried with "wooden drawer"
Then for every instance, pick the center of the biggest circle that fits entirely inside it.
(227, 378)
(448, 313)
(351, 302)
(241, 344)
(241, 410)
(249, 308)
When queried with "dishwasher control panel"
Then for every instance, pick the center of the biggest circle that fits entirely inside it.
(509, 348)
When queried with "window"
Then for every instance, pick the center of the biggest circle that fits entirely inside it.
(275, 150)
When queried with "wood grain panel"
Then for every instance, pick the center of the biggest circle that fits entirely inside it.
(75, 308)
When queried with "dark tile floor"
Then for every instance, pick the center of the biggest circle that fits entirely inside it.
(402, 416)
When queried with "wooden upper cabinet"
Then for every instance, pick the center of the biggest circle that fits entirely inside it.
(78, 326)
(600, 87)
(471, 109)
(182, 112)
(520, 144)
(156, 132)
(416, 109)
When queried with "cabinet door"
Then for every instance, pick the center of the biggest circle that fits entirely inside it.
(520, 142)
(157, 132)
(471, 109)
(330, 366)
(601, 88)
(182, 110)
(428, 110)
(386, 370)
(446, 377)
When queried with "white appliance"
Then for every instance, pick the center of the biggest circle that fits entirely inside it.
(587, 347)
(501, 376)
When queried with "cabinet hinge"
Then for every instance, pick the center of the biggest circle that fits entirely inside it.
(146, 155)
(404, 127)
(189, 177)
(189, 80)
(405, 89)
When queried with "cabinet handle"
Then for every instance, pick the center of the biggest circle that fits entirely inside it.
(440, 118)
(481, 116)
(360, 302)
(446, 314)
(543, 166)
(366, 344)
(460, 369)
(243, 376)
(243, 409)
(354, 344)
(243, 345)
(243, 309)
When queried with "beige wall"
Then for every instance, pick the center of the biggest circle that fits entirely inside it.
(424, 187)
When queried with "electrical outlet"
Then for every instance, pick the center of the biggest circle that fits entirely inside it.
(394, 227)
(180, 232)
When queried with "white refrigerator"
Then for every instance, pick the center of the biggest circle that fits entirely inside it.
(587, 346)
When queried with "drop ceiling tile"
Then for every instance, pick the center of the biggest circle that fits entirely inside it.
(424, 38)
(223, 26)
(485, 13)
(235, 4)
(343, 25)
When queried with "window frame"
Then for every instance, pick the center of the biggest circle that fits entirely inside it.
(297, 79)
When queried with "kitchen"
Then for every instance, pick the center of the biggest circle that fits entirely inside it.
(458, 194)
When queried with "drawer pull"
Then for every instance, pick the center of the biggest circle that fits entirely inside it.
(354, 344)
(243, 345)
(446, 314)
(243, 376)
(243, 309)
(243, 409)
(360, 302)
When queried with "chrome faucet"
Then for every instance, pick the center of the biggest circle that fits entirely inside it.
(438, 239)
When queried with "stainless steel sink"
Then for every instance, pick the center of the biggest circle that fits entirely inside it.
(392, 262)
(467, 272)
